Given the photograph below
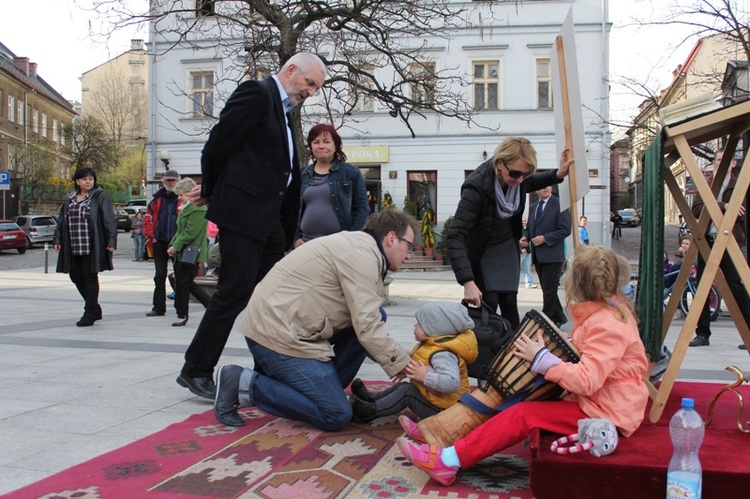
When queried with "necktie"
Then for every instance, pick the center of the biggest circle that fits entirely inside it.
(539, 211)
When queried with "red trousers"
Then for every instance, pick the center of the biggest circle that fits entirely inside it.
(512, 425)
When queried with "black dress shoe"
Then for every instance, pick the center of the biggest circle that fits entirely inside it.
(227, 395)
(203, 387)
(181, 322)
(154, 313)
(699, 341)
(742, 346)
(360, 390)
(86, 320)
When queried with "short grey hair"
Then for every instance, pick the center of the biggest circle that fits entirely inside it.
(184, 186)
(305, 62)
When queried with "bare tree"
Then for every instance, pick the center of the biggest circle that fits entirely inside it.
(33, 165)
(91, 146)
(355, 38)
(116, 104)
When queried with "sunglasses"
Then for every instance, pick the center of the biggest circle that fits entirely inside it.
(518, 173)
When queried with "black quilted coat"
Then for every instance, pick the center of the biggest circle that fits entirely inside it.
(472, 224)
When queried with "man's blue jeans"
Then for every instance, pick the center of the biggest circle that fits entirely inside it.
(526, 266)
(307, 390)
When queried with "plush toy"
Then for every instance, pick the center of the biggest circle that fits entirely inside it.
(597, 435)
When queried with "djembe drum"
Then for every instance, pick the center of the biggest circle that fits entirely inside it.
(509, 380)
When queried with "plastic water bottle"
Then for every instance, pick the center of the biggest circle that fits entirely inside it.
(685, 475)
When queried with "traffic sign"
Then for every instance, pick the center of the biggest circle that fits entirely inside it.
(4, 181)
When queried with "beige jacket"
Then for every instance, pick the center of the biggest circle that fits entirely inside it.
(321, 287)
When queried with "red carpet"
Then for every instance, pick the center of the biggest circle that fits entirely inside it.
(638, 467)
(275, 458)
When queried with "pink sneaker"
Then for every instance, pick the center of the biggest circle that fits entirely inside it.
(427, 458)
(411, 429)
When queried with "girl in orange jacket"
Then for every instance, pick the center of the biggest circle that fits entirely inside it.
(606, 383)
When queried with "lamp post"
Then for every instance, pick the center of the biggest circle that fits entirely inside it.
(164, 156)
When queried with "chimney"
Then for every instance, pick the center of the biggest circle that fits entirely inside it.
(22, 63)
(136, 44)
(32, 69)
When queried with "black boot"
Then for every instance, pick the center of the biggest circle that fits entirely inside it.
(86, 320)
(362, 411)
(360, 390)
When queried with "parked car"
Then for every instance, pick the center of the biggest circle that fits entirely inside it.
(38, 228)
(138, 202)
(630, 217)
(132, 210)
(124, 222)
(12, 236)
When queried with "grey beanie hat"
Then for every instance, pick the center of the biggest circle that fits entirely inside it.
(438, 318)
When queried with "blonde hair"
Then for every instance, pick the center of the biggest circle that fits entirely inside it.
(184, 186)
(598, 274)
(514, 148)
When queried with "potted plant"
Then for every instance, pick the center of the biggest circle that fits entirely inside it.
(387, 202)
(441, 247)
(428, 233)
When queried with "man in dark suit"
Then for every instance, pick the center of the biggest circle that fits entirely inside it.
(251, 183)
(734, 281)
(548, 228)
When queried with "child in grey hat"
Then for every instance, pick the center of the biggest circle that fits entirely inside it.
(437, 372)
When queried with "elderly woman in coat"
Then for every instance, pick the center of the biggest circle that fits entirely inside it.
(191, 231)
(486, 234)
(85, 239)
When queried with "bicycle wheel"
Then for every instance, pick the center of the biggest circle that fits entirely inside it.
(714, 301)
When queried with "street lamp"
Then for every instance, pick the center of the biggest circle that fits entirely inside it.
(164, 156)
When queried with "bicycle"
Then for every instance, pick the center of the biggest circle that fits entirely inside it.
(688, 293)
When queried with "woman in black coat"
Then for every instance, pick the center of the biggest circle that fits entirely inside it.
(85, 240)
(484, 238)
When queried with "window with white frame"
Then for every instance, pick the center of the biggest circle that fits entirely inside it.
(1, 101)
(423, 86)
(202, 93)
(35, 121)
(55, 131)
(62, 134)
(361, 100)
(19, 112)
(11, 109)
(486, 85)
(543, 84)
(44, 124)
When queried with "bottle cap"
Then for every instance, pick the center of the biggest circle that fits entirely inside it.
(688, 403)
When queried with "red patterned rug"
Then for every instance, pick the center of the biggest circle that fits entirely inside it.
(271, 457)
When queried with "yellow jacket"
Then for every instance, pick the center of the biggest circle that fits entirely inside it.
(464, 346)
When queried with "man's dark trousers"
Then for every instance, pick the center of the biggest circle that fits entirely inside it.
(244, 262)
(161, 264)
(549, 281)
(734, 281)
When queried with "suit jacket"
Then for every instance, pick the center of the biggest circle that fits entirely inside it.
(554, 226)
(245, 164)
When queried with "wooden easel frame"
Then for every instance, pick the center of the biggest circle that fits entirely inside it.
(731, 122)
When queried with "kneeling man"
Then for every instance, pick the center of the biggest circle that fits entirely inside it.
(311, 322)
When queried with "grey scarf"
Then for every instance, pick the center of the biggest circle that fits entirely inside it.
(507, 204)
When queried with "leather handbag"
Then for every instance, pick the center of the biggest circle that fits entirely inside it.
(492, 330)
(189, 254)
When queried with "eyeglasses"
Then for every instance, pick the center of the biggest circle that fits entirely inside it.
(408, 243)
(518, 173)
